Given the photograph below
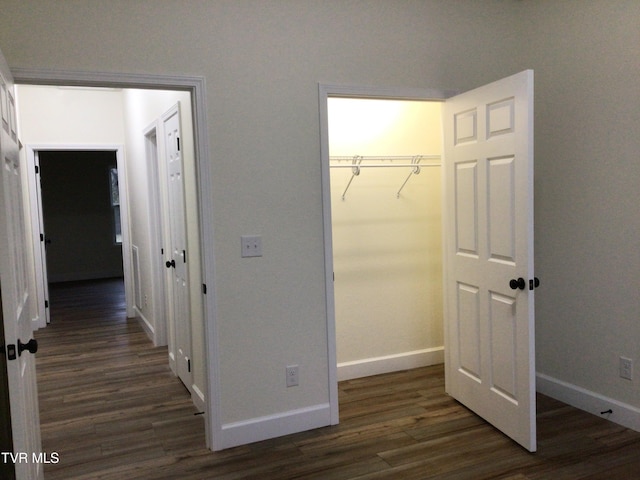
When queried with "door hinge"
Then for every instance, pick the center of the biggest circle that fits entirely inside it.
(37, 169)
(204, 288)
(162, 251)
(189, 365)
(178, 142)
(184, 256)
(42, 237)
(46, 304)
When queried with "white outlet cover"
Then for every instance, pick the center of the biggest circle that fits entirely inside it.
(251, 245)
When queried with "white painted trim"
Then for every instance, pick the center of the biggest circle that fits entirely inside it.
(158, 306)
(197, 397)
(277, 425)
(591, 402)
(125, 227)
(197, 87)
(390, 363)
(41, 317)
(146, 325)
(332, 357)
(324, 92)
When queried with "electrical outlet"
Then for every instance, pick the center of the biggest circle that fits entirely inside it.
(626, 368)
(292, 375)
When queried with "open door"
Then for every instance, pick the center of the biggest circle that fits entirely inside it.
(19, 345)
(489, 277)
(40, 241)
(179, 306)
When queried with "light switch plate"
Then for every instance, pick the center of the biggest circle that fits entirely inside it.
(251, 245)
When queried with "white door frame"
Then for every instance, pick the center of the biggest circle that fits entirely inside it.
(196, 86)
(41, 318)
(35, 204)
(324, 92)
(157, 234)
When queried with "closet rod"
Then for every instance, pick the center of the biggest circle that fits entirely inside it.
(356, 164)
(390, 158)
(388, 165)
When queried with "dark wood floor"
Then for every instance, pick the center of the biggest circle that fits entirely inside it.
(111, 409)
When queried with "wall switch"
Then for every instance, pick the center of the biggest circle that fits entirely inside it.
(626, 368)
(292, 375)
(251, 245)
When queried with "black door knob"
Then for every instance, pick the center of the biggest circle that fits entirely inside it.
(31, 346)
(171, 263)
(518, 284)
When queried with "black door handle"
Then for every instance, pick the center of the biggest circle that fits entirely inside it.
(518, 284)
(31, 346)
(171, 263)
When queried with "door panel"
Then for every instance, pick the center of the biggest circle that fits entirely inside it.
(488, 168)
(7, 470)
(23, 396)
(39, 244)
(181, 318)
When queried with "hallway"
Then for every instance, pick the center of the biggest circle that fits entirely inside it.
(107, 396)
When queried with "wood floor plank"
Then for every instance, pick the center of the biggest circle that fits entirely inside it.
(112, 409)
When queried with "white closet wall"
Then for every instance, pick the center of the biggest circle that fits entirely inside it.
(387, 249)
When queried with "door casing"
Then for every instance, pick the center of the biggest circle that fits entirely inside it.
(35, 205)
(326, 91)
(195, 85)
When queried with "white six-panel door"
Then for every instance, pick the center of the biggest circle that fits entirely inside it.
(177, 249)
(23, 394)
(488, 169)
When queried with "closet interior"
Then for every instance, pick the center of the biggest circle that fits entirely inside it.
(385, 179)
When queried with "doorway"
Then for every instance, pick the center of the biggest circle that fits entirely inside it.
(387, 105)
(488, 242)
(194, 88)
(81, 213)
(386, 214)
(87, 234)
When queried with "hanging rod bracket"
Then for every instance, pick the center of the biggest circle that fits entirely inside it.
(415, 171)
(355, 171)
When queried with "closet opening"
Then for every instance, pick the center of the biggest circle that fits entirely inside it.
(385, 185)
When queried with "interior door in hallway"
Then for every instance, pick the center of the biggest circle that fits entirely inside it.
(39, 244)
(489, 282)
(16, 301)
(179, 310)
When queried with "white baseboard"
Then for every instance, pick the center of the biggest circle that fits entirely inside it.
(146, 325)
(272, 426)
(197, 397)
(390, 363)
(592, 402)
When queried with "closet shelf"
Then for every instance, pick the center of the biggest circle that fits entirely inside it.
(356, 164)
